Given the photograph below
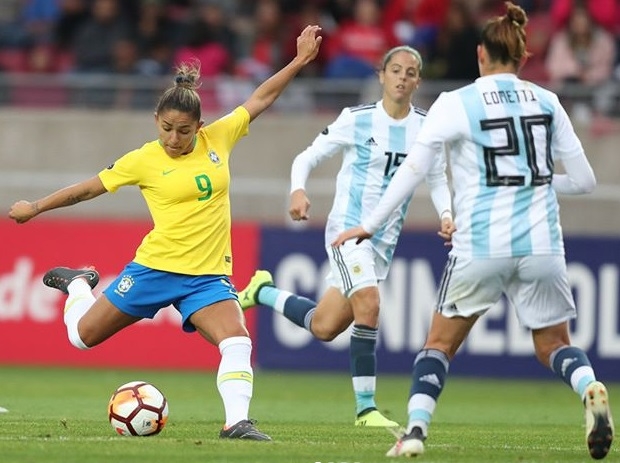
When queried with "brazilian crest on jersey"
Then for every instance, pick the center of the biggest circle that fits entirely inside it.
(214, 157)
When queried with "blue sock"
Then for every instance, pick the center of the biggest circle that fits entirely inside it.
(364, 366)
(572, 365)
(430, 369)
(297, 309)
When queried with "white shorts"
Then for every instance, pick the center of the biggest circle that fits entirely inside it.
(536, 286)
(355, 266)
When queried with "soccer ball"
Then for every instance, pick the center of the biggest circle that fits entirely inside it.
(138, 409)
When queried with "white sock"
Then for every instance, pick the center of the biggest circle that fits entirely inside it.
(235, 378)
(78, 302)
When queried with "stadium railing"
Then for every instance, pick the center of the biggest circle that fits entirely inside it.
(260, 187)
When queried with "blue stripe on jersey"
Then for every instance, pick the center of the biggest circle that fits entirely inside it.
(521, 239)
(397, 143)
(481, 212)
(555, 240)
(362, 127)
(553, 213)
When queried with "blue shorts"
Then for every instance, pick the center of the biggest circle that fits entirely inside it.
(140, 292)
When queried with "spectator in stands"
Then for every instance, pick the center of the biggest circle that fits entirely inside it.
(26, 32)
(583, 53)
(602, 12)
(180, 10)
(13, 34)
(156, 59)
(125, 56)
(215, 15)
(309, 13)
(266, 50)
(72, 14)
(539, 31)
(356, 48)
(93, 43)
(40, 58)
(159, 28)
(416, 22)
(155, 26)
(452, 58)
(339, 10)
(203, 44)
(39, 18)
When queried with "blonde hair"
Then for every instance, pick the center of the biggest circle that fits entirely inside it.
(504, 37)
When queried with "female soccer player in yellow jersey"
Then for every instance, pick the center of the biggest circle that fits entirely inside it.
(186, 257)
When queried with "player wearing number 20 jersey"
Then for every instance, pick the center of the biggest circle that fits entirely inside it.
(503, 137)
(510, 134)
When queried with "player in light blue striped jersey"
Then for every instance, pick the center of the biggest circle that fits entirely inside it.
(504, 137)
(373, 140)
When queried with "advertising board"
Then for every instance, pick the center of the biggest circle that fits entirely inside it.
(31, 326)
(497, 345)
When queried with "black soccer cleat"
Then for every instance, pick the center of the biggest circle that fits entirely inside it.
(244, 429)
(60, 277)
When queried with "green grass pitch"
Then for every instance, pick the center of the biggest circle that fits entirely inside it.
(59, 415)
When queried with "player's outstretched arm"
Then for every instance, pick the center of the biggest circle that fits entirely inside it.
(308, 45)
(22, 211)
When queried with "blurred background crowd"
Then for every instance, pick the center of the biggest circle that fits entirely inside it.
(574, 43)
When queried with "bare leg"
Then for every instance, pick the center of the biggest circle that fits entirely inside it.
(548, 340)
(447, 334)
(100, 321)
(220, 321)
(333, 315)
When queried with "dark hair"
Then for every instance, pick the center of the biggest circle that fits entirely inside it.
(183, 96)
(504, 36)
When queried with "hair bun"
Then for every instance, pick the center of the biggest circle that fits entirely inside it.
(516, 15)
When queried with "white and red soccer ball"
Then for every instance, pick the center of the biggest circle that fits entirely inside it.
(138, 409)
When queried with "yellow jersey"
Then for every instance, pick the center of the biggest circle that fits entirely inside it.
(188, 198)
